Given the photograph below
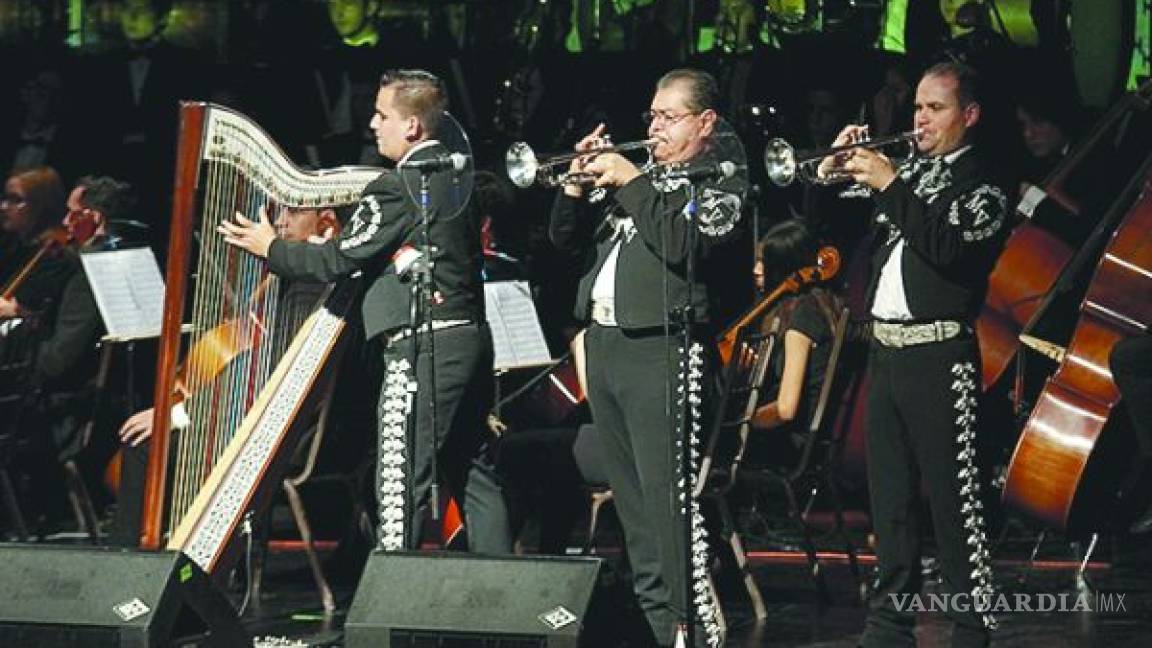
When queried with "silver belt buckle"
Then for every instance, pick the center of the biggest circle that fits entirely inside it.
(887, 334)
(897, 336)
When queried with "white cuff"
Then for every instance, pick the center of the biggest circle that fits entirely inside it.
(1031, 198)
(180, 419)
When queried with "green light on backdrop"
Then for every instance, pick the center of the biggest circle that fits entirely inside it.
(1141, 67)
(892, 28)
(75, 22)
(707, 39)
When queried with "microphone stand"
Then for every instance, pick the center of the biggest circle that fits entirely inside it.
(421, 309)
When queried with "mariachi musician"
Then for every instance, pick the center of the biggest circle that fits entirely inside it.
(382, 239)
(939, 220)
(637, 275)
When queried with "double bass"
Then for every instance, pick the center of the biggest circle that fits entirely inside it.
(1061, 469)
(1034, 256)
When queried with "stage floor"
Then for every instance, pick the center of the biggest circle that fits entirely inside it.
(289, 608)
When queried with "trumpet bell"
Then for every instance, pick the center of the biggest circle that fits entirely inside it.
(521, 164)
(780, 162)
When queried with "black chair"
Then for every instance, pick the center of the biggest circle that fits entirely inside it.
(814, 470)
(22, 408)
(350, 479)
(741, 382)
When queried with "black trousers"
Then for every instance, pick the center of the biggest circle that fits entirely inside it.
(632, 390)
(921, 424)
(461, 445)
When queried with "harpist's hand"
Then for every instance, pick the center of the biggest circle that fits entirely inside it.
(137, 428)
(9, 308)
(253, 236)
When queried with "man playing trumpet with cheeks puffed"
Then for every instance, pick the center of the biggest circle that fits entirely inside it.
(636, 277)
(940, 221)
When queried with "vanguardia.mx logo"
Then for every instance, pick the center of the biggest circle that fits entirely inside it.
(1107, 602)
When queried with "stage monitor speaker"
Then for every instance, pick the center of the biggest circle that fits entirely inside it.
(454, 600)
(117, 598)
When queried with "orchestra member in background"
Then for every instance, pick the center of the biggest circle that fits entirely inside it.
(33, 201)
(806, 321)
(63, 376)
(304, 224)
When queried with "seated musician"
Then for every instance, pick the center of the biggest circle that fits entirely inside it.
(313, 225)
(1048, 127)
(32, 202)
(805, 322)
(297, 301)
(65, 365)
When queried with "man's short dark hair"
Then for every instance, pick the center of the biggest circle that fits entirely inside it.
(418, 93)
(109, 196)
(703, 93)
(969, 84)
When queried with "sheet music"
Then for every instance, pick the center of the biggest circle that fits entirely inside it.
(129, 291)
(516, 333)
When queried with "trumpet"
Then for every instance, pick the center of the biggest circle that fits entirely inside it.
(525, 168)
(784, 164)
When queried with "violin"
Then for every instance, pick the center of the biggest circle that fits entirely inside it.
(53, 239)
(79, 228)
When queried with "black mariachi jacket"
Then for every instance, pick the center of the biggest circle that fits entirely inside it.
(387, 220)
(655, 244)
(953, 220)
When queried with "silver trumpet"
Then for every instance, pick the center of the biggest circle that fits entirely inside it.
(525, 168)
(784, 164)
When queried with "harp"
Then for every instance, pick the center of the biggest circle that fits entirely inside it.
(250, 379)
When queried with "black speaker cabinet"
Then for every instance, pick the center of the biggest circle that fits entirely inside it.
(116, 598)
(454, 600)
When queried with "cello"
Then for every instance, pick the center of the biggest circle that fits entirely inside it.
(827, 265)
(1033, 256)
(1057, 472)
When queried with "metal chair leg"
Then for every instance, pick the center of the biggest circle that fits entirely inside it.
(599, 499)
(1023, 578)
(741, 557)
(809, 544)
(305, 528)
(849, 546)
(82, 506)
(1082, 581)
(12, 505)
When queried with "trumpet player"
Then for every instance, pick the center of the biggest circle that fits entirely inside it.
(635, 277)
(939, 220)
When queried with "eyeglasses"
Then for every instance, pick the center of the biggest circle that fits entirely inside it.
(668, 119)
(12, 199)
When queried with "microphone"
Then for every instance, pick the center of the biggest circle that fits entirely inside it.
(703, 170)
(454, 161)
